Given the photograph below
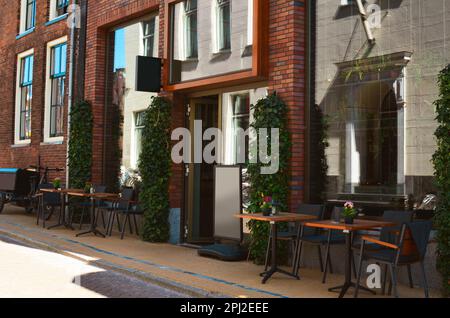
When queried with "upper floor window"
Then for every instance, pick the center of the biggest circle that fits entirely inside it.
(190, 28)
(61, 6)
(58, 8)
(26, 95)
(148, 36)
(55, 90)
(27, 15)
(58, 78)
(223, 25)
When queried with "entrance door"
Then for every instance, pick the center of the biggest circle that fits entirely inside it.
(200, 201)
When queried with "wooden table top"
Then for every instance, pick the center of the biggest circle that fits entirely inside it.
(358, 225)
(82, 193)
(62, 190)
(281, 217)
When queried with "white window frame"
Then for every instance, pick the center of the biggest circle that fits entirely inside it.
(215, 27)
(250, 23)
(155, 39)
(48, 92)
(23, 17)
(134, 160)
(17, 140)
(53, 12)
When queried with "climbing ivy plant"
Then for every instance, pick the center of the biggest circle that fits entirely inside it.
(270, 112)
(441, 160)
(155, 169)
(80, 144)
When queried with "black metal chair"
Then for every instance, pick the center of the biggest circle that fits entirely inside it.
(292, 233)
(87, 205)
(417, 234)
(48, 201)
(121, 206)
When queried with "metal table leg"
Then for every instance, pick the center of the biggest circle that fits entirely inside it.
(93, 229)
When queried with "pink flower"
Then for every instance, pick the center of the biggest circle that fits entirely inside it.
(267, 199)
(349, 205)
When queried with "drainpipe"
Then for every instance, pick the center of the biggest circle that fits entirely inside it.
(73, 22)
(366, 24)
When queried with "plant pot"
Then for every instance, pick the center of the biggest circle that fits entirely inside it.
(267, 212)
(349, 220)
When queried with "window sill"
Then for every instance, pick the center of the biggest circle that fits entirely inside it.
(191, 60)
(25, 33)
(52, 142)
(222, 52)
(57, 19)
(21, 145)
(248, 51)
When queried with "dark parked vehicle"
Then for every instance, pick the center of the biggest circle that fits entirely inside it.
(16, 187)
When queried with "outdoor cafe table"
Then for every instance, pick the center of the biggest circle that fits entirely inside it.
(274, 220)
(62, 221)
(349, 230)
(93, 196)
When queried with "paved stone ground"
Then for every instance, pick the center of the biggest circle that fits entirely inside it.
(30, 272)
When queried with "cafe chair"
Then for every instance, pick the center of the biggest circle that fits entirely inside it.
(48, 202)
(411, 247)
(386, 235)
(120, 207)
(292, 232)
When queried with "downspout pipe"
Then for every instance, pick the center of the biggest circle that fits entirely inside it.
(73, 23)
(365, 20)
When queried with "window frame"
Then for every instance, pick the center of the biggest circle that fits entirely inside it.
(54, 76)
(222, 38)
(145, 37)
(190, 51)
(19, 138)
(61, 5)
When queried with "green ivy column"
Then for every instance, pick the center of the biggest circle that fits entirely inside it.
(441, 160)
(155, 168)
(80, 144)
(270, 112)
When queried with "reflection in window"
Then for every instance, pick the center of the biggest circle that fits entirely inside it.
(223, 25)
(26, 95)
(138, 130)
(148, 37)
(190, 27)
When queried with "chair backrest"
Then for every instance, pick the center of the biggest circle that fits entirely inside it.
(420, 234)
(99, 188)
(399, 217)
(316, 210)
(337, 213)
(127, 196)
(49, 198)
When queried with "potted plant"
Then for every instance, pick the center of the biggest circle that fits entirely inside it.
(349, 213)
(57, 183)
(87, 187)
(267, 206)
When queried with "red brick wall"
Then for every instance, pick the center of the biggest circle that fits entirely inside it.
(287, 77)
(51, 155)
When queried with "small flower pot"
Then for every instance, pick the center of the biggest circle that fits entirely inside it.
(267, 212)
(349, 220)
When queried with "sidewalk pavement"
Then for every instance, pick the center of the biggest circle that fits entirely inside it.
(175, 267)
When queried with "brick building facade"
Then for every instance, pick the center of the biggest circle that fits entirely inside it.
(12, 43)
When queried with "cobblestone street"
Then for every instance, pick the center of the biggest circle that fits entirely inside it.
(28, 272)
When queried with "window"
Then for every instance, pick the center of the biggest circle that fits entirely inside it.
(241, 120)
(56, 81)
(148, 36)
(30, 14)
(223, 25)
(138, 129)
(61, 7)
(190, 27)
(24, 98)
